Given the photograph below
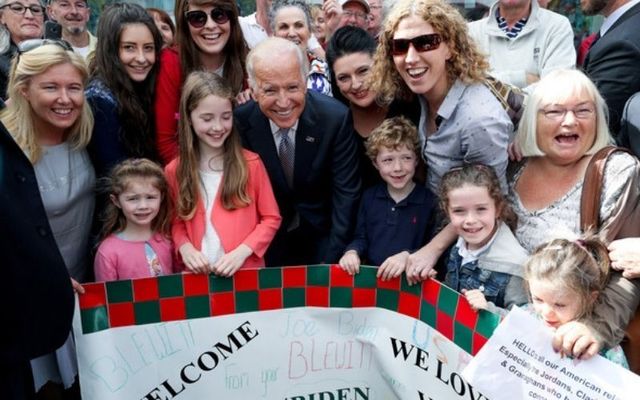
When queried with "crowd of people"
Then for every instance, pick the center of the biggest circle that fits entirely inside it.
(351, 132)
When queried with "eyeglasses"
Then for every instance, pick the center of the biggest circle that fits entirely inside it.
(421, 43)
(21, 9)
(31, 44)
(355, 14)
(558, 114)
(198, 18)
(80, 5)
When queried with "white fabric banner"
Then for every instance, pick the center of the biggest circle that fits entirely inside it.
(295, 354)
(519, 356)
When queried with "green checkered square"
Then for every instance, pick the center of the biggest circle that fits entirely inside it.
(388, 299)
(404, 286)
(293, 297)
(270, 278)
(246, 301)
(428, 314)
(366, 278)
(146, 312)
(170, 286)
(487, 323)
(463, 337)
(340, 297)
(317, 276)
(219, 284)
(448, 300)
(197, 306)
(94, 319)
(119, 291)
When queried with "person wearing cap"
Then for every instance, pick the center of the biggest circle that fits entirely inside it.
(73, 16)
(339, 13)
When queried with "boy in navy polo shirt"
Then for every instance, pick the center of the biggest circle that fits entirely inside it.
(394, 216)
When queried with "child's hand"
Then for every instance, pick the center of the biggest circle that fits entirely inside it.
(393, 266)
(194, 260)
(229, 263)
(476, 299)
(350, 262)
(577, 340)
(77, 287)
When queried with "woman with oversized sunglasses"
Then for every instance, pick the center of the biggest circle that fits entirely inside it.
(425, 50)
(19, 20)
(208, 37)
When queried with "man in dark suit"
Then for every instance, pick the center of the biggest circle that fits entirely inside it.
(307, 144)
(36, 295)
(614, 58)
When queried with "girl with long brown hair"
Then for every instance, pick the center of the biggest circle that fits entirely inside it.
(226, 213)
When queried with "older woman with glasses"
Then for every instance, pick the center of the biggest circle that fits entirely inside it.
(19, 20)
(563, 125)
(425, 50)
(50, 121)
(208, 37)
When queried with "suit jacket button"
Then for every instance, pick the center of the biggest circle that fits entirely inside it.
(21, 177)
(42, 231)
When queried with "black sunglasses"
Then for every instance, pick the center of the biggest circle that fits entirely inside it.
(31, 44)
(421, 43)
(198, 18)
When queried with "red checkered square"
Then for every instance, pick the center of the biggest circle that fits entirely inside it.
(145, 289)
(340, 277)
(444, 325)
(431, 291)
(195, 284)
(222, 304)
(465, 314)
(409, 304)
(270, 299)
(363, 297)
(392, 284)
(294, 277)
(478, 342)
(172, 309)
(121, 314)
(318, 296)
(246, 280)
(94, 295)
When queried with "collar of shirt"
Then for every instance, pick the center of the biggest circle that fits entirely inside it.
(292, 132)
(472, 255)
(444, 112)
(611, 19)
(413, 197)
(513, 32)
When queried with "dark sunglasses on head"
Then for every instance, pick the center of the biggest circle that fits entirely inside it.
(31, 44)
(421, 43)
(198, 18)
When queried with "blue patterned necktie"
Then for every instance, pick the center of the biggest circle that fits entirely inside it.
(286, 153)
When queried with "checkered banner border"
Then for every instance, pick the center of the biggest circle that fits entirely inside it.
(185, 296)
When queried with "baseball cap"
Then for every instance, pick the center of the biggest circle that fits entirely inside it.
(364, 3)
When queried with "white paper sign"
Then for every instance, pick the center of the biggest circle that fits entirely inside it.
(518, 362)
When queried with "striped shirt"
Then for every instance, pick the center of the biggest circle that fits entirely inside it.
(513, 32)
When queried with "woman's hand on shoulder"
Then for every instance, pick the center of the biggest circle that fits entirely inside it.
(577, 340)
(193, 259)
(244, 97)
(625, 257)
(350, 262)
(393, 266)
(229, 263)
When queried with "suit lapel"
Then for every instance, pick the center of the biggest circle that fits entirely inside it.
(610, 33)
(308, 137)
(263, 143)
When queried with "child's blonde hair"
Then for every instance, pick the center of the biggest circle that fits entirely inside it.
(233, 190)
(580, 265)
(478, 175)
(393, 133)
(118, 181)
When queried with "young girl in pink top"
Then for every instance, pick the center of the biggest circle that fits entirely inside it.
(136, 228)
(226, 214)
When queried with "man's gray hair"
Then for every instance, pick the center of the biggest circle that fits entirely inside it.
(266, 49)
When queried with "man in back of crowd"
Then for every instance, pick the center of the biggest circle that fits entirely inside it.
(73, 16)
(339, 13)
(376, 17)
(523, 41)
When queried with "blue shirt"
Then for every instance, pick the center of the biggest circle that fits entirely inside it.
(385, 228)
